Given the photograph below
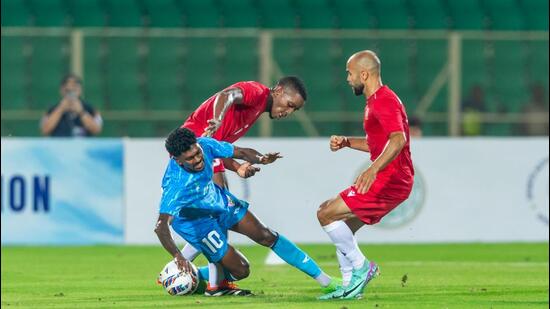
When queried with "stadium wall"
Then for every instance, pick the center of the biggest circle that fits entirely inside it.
(466, 190)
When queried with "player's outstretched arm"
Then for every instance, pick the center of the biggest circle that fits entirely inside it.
(244, 170)
(254, 157)
(223, 101)
(162, 230)
(357, 143)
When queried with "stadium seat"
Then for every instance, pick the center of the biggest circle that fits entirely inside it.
(315, 14)
(431, 58)
(396, 64)
(87, 13)
(286, 52)
(391, 14)
(287, 128)
(201, 71)
(123, 74)
(13, 73)
(50, 62)
(163, 13)
(509, 73)
(124, 13)
(21, 128)
(240, 60)
(277, 14)
(504, 15)
(538, 59)
(466, 15)
(135, 128)
(474, 65)
(15, 13)
(49, 13)
(429, 14)
(239, 14)
(201, 13)
(94, 68)
(536, 14)
(353, 14)
(164, 72)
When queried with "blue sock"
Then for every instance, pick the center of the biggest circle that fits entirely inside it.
(203, 274)
(294, 256)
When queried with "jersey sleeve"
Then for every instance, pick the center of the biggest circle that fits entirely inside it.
(170, 202)
(252, 91)
(215, 148)
(388, 113)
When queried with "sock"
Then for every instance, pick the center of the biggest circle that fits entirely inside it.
(345, 267)
(204, 274)
(213, 277)
(294, 256)
(189, 252)
(343, 239)
(323, 279)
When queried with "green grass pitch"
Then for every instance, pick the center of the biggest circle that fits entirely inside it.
(437, 276)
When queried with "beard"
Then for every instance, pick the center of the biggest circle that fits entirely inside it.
(358, 90)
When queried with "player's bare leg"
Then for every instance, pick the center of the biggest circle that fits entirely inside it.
(236, 266)
(284, 248)
(332, 216)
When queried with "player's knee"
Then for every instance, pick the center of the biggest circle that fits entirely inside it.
(323, 213)
(266, 238)
(242, 272)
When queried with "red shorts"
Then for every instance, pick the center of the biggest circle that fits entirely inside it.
(386, 193)
(218, 166)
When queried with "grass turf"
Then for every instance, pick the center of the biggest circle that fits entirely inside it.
(413, 276)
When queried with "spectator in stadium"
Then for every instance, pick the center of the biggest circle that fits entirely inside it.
(472, 107)
(415, 127)
(537, 105)
(72, 116)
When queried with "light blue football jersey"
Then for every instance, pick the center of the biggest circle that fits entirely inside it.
(194, 194)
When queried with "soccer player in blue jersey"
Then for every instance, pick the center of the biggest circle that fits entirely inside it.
(201, 212)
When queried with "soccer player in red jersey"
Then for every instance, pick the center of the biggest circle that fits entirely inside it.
(227, 116)
(381, 187)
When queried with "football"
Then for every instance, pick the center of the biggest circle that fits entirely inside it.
(178, 283)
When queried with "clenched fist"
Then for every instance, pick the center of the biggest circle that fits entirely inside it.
(338, 142)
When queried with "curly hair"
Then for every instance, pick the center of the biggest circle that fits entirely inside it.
(294, 83)
(179, 141)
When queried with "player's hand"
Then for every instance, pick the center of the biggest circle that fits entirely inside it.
(365, 180)
(269, 157)
(182, 263)
(213, 126)
(247, 170)
(338, 142)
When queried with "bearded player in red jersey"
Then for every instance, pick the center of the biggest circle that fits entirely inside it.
(379, 189)
(227, 116)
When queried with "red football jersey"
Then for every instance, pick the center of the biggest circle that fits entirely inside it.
(238, 119)
(384, 114)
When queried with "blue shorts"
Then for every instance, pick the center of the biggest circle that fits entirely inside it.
(209, 234)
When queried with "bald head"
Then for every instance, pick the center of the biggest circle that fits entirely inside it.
(365, 60)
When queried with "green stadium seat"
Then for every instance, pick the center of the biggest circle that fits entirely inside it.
(13, 73)
(429, 14)
(14, 13)
(474, 65)
(504, 15)
(315, 14)
(94, 66)
(201, 13)
(240, 61)
(87, 13)
(123, 74)
(163, 13)
(286, 54)
(391, 14)
(50, 62)
(137, 128)
(509, 73)
(165, 73)
(288, 128)
(536, 14)
(431, 58)
(49, 13)
(21, 128)
(201, 71)
(353, 14)
(239, 14)
(538, 59)
(124, 13)
(277, 14)
(466, 15)
(396, 64)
